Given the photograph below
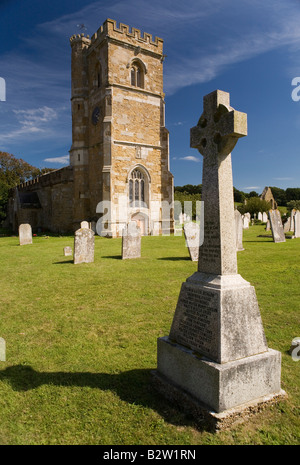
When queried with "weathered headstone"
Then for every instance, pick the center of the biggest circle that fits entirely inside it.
(297, 224)
(268, 227)
(259, 216)
(131, 241)
(264, 217)
(85, 225)
(238, 230)
(287, 225)
(216, 358)
(68, 251)
(25, 234)
(2, 350)
(276, 226)
(84, 245)
(246, 221)
(292, 219)
(192, 239)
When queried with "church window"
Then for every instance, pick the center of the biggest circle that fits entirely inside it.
(137, 187)
(137, 75)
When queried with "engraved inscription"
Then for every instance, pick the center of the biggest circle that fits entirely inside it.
(197, 322)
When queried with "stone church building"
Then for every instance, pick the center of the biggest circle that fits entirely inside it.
(119, 158)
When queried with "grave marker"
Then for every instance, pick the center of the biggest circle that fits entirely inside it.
(25, 234)
(84, 245)
(238, 230)
(192, 239)
(131, 241)
(216, 358)
(276, 226)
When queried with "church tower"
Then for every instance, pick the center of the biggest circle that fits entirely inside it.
(120, 146)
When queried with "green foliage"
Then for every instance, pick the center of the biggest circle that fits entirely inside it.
(292, 193)
(239, 196)
(279, 195)
(190, 208)
(189, 189)
(293, 204)
(254, 205)
(14, 171)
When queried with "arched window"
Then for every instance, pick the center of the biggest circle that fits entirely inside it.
(137, 187)
(137, 75)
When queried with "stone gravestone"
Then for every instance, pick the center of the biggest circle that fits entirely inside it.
(84, 246)
(25, 234)
(238, 230)
(276, 226)
(131, 241)
(192, 239)
(287, 225)
(264, 217)
(246, 221)
(216, 358)
(2, 350)
(68, 251)
(297, 224)
(85, 225)
(259, 216)
(293, 219)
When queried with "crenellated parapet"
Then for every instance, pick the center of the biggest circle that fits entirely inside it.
(124, 33)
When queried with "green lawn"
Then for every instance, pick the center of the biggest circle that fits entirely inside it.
(81, 341)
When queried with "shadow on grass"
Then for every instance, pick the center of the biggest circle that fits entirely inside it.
(173, 259)
(132, 386)
(116, 257)
(63, 262)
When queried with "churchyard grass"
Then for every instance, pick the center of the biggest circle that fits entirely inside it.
(81, 341)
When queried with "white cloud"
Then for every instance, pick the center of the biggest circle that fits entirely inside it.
(191, 158)
(64, 160)
(251, 188)
(284, 179)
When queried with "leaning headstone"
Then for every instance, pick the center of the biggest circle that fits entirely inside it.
(192, 239)
(297, 224)
(276, 226)
(287, 225)
(84, 246)
(131, 241)
(85, 225)
(264, 217)
(68, 251)
(216, 363)
(25, 234)
(238, 230)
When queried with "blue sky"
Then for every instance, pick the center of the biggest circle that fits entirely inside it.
(249, 48)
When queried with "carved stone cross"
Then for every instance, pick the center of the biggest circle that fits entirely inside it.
(215, 136)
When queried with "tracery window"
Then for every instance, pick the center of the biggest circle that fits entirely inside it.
(137, 187)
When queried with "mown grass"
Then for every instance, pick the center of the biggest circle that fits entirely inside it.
(81, 341)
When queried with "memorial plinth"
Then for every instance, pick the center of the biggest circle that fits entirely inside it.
(215, 362)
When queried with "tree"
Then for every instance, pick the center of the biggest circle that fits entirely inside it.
(293, 204)
(292, 193)
(254, 205)
(279, 195)
(14, 171)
